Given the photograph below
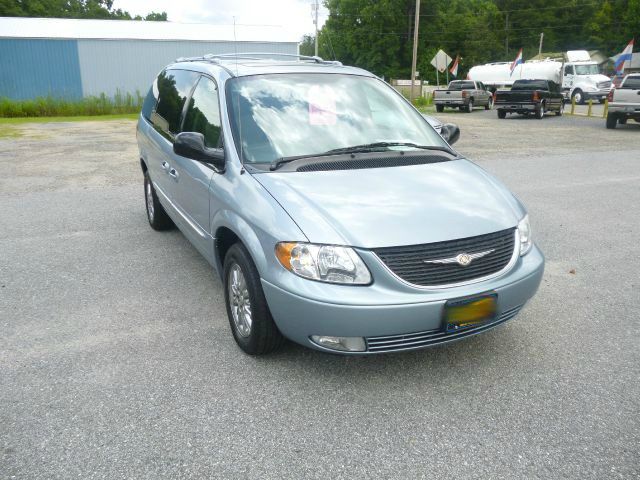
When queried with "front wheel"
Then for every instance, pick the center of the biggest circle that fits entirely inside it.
(470, 106)
(156, 214)
(251, 322)
(560, 111)
(612, 120)
(489, 105)
(502, 114)
(578, 96)
(439, 108)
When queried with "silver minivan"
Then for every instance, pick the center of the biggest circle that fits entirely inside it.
(333, 212)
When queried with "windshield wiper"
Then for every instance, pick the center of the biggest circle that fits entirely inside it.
(364, 148)
(369, 147)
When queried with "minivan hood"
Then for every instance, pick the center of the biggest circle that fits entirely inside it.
(394, 206)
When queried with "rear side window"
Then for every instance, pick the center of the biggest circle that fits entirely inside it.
(203, 113)
(632, 82)
(150, 101)
(173, 88)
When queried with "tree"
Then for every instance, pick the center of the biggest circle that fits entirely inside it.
(307, 45)
(96, 9)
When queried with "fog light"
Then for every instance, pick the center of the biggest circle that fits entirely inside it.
(343, 344)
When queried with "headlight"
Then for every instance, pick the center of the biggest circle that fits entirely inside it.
(524, 229)
(325, 263)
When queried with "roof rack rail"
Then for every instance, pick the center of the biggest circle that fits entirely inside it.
(215, 58)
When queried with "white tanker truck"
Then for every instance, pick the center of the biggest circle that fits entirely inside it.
(578, 75)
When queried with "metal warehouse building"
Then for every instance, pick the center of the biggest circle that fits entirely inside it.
(76, 58)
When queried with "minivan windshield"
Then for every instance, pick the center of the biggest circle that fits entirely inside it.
(286, 115)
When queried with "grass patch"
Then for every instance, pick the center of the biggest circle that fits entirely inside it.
(119, 104)
(75, 118)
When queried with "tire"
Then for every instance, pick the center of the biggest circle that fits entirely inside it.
(489, 105)
(156, 214)
(560, 111)
(502, 114)
(540, 111)
(578, 96)
(612, 120)
(622, 120)
(439, 108)
(469, 108)
(256, 334)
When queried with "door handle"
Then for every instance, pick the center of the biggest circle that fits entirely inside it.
(165, 166)
(173, 173)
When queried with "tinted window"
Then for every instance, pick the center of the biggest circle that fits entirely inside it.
(530, 85)
(203, 113)
(568, 70)
(150, 102)
(632, 82)
(173, 88)
(461, 86)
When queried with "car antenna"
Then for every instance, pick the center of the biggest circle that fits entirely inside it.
(235, 51)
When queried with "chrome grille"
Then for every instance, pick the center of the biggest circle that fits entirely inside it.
(432, 337)
(605, 84)
(409, 262)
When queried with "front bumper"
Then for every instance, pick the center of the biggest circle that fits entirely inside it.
(388, 323)
(597, 94)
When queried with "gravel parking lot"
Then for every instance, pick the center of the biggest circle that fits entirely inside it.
(116, 359)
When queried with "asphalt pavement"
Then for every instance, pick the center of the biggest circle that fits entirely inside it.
(116, 358)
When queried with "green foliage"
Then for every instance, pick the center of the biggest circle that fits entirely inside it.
(378, 36)
(308, 45)
(96, 9)
(54, 107)
(422, 101)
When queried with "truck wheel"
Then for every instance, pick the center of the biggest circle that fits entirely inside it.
(489, 105)
(560, 111)
(540, 111)
(439, 108)
(470, 106)
(502, 114)
(622, 120)
(578, 96)
(251, 322)
(611, 120)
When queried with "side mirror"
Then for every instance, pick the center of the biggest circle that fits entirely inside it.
(450, 132)
(191, 145)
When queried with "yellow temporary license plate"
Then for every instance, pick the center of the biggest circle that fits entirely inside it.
(469, 312)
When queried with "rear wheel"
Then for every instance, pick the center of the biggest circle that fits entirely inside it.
(612, 120)
(251, 322)
(439, 108)
(540, 111)
(502, 114)
(470, 106)
(156, 214)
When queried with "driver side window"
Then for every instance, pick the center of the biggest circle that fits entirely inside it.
(203, 113)
(568, 70)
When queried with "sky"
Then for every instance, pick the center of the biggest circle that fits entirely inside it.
(293, 15)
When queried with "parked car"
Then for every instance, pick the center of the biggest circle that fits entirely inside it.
(463, 94)
(449, 131)
(333, 213)
(624, 101)
(530, 97)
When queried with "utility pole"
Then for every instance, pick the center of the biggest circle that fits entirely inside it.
(541, 38)
(415, 47)
(314, 7)
(506, 35)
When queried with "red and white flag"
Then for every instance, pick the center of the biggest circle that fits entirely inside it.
(454, 68)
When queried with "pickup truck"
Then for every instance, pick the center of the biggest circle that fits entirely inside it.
(463, 94)
(530, 96)
(624, 101)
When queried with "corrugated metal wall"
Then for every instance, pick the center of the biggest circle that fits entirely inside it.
(32, 68)
(131, 65)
